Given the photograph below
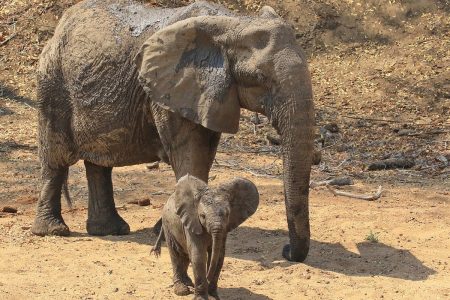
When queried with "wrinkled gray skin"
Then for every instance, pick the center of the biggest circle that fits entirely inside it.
(121, 83)
(196, 220)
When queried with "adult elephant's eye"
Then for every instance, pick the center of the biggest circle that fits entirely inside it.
(202, 216)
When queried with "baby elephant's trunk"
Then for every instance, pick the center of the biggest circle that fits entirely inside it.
(218, 244)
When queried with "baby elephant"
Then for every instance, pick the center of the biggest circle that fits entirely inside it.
(196, 220)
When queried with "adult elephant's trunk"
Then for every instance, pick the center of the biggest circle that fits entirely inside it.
(218, 242)
(293, 115)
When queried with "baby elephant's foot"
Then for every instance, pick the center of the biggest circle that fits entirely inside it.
(181, 289)
(201, 297)
(49, 226)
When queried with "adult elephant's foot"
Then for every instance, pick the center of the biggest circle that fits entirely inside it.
(49, 226)
(113, 225)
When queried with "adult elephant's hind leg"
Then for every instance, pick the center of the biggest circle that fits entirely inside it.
(103, 218)
(48, 219)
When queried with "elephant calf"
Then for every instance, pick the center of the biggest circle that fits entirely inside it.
(196, 220)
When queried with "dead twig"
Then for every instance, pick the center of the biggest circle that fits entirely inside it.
(371, 119)
(12, 35)
(8, 39)
(339, 181)
(373, 197)
(158, 193)
(392, 163)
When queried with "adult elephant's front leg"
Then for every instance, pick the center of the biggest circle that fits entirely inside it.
(190, 147)
(103, 218)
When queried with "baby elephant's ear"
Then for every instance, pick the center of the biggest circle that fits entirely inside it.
(244, 200)
(187, 196)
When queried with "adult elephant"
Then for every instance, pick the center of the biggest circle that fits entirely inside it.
(121, 83)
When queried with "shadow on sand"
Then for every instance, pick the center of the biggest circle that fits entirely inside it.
(240, 293)
(374, 259)
(9, 94)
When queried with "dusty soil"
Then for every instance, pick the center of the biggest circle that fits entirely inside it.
(410, 259)
(380, 72)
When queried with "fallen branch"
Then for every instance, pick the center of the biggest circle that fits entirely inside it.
(382, 120)
(389, 164)
(371, 119)
(158, 193)
(373, 197)
(7, 39)
(339, 181)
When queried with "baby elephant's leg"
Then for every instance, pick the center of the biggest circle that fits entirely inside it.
(180, 263)
(199, 269)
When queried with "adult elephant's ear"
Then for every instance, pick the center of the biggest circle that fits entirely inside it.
(243, 198)
(188, 192)
(184, 68)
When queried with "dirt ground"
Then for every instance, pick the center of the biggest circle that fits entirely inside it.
(409, 261)
(380, 73)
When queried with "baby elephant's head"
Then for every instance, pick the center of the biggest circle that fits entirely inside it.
(215, 210)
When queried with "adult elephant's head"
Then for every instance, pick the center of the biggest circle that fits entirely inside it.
(207, 68)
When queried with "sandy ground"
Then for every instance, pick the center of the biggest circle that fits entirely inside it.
(370, 59)
(409, 261)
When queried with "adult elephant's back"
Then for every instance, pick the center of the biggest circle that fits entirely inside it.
(88, 87)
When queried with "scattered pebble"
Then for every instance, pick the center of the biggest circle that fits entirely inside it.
(9, 209)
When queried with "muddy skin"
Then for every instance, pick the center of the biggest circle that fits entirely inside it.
(121, 83)
(196, 220)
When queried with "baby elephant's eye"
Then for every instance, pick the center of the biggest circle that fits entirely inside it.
(202, 216)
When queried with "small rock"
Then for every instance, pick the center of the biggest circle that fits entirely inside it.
(255, 119)
(140, 202)
(144, 202)
(273, 139)
(332, 127)
(442, 159)
(154, 165)
(115, 290)
(9, 209)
